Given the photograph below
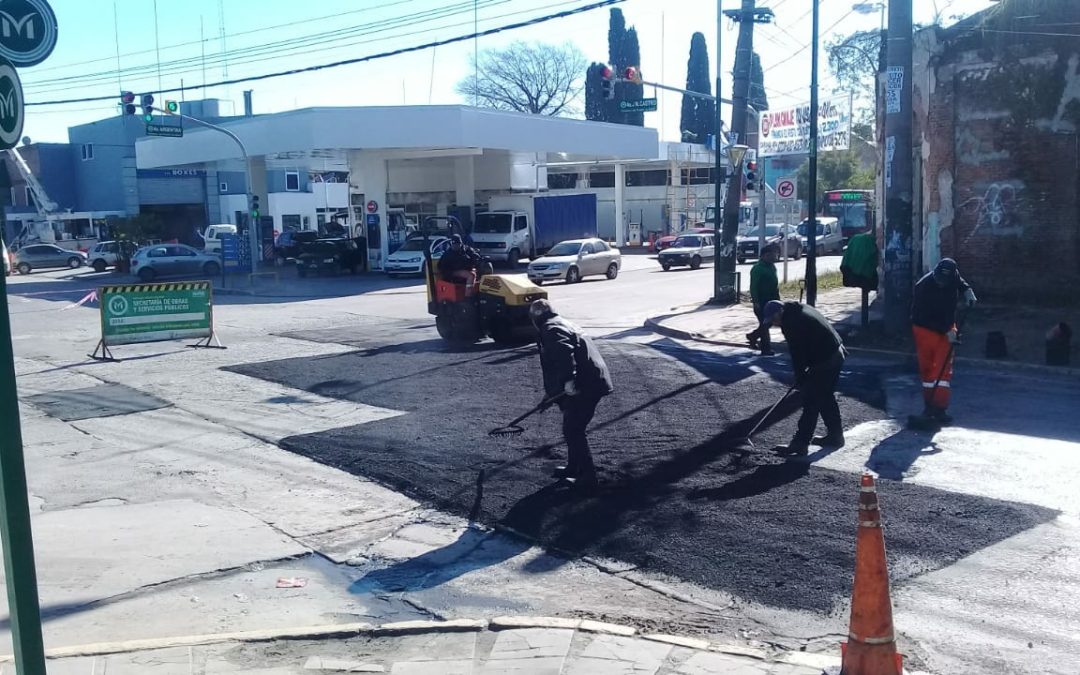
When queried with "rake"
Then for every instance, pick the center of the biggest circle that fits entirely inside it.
(515, 428)
(745, 440)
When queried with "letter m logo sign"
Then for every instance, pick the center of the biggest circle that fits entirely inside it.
(9, 104)
(12, 27)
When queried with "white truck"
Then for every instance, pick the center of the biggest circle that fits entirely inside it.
(526, 226)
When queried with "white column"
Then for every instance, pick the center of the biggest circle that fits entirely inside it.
(620, 225)
(370, 170)
(465, 182)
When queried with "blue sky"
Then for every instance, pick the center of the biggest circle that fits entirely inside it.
(85, 61)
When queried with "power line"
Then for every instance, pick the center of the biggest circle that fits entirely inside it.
(807, 45)
(363, 59)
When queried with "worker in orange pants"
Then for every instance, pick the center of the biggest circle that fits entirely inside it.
(933, 318)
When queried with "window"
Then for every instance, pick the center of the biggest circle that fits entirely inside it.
(601, 247)
(223, 188)
(181, 252)
(562, 181)
(87, 151)
(521, 222)
(159, 252)
(290, 221)
(602, 179)
(652, 177)
(587, 249)
(292, 181)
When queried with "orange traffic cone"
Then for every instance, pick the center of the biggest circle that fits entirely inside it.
(872, 646)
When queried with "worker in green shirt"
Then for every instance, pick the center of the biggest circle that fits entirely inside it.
(859, 265)
(764, 286)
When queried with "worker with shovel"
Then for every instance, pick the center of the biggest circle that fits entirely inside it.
(933, 319)
(575, 378)
(817, 355)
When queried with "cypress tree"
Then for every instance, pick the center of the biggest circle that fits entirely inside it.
(594, 96)
(698, 115)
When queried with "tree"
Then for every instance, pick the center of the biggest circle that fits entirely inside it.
(855, 61)
(538, 78)
(698, 115)
(623, 51)
(758, 98)
(836, 170)
(595, 105)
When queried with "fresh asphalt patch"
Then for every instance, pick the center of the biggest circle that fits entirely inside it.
(678, 496)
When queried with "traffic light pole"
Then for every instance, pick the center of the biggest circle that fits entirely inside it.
(899, 169)
(812, 205)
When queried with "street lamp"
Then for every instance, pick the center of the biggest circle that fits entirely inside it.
(736, 154)
(870, 8)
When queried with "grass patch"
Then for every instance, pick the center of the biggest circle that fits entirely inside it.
(825, 282)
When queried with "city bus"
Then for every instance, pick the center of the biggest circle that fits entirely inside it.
(855, 209)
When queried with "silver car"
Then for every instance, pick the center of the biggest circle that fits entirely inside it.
(173, 260)
(44, 256)
(574, 259)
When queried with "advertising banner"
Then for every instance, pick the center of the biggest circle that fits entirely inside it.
(786, 131)
(137, 313)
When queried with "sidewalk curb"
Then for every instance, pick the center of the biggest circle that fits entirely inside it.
(401, 628)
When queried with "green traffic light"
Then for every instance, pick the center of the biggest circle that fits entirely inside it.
(172, 106)
(148, 118)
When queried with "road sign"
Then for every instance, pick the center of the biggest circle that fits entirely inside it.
(27, 31)
(787, 188)
(155, 312)
(639, 105)
(372, 206)
(164, 130)
(12, 110)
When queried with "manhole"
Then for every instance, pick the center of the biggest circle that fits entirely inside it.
(106, 400)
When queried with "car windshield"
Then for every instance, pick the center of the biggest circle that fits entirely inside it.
(413, 245)
(804, 229)
(565, 248)
(323, 248)
(493, 223)
(687, 242)
(770, 231)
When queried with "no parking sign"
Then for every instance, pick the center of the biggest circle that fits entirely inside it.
(787, 188)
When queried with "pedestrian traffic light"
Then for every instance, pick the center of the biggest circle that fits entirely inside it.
(172, 107)
(254, 206)
(751, 176)
(607, 87)
(127, 102)
(632, 74)
(148, 107)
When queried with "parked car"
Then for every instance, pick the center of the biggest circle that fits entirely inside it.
(689, 250)
(667, 240)
(828, 239)
(171, 260)
(7, 258)
(746, 246)
(107, 254)
(574, 259)
(44, 256)
(213, 235)
(330, 256)
(290, 243)
(409, 258)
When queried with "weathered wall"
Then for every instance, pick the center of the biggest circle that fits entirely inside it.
(998, 130)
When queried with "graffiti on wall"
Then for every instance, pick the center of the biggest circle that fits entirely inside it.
(997, 211)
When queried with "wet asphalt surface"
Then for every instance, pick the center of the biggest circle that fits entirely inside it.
(680, 494)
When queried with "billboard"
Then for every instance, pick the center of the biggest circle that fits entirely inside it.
(786, 131)
(154, 312)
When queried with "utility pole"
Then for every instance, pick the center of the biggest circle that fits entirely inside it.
(725, 290)
(811, 226)
(718, 169)
(899, 169)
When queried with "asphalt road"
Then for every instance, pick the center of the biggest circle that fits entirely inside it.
(680, 496)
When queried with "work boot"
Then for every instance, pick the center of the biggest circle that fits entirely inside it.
(768, 352)
(940, 416)
(563, 472)
(752, 339)
(794, 449)
(829, 440)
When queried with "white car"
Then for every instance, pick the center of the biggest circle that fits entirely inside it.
(688, 250)
(574, 259)
(829, 238)
(107, 253)
(213, 236)
(409, 259)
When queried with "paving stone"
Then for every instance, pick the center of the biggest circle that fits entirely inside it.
(531, 643)
(432, 668)
(608, 628)
(435, 647)
(615, 655)
(711, 664)
(503, 622)
(539, 666)
(678, 640)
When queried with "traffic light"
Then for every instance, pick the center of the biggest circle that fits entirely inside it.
(254, 207)
(148, 108)
(607, 87)
(172, 107)
(127, 102)
(632, 74)
(751, 176)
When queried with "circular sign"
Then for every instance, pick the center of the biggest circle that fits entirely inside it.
(372, 206)
(766, 125)
(118, 305)
(27, 31)
(785, 188)
(12, 113)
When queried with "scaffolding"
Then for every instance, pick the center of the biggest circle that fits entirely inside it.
(687, 199)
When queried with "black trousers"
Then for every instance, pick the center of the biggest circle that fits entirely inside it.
(819, 399)
(577, 412)
(761, 332)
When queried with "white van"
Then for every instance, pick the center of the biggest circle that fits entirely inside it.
(213, 235)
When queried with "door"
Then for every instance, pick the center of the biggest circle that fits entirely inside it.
(604, 255)
(56, 256)
(587, 260)
(708, 247)
(521, 235)
(185, 260)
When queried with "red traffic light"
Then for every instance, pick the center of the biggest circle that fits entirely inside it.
(632, 74)
(127, 97)
(751, 166)
(607, 73)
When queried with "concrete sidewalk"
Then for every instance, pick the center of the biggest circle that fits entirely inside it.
(524, 645)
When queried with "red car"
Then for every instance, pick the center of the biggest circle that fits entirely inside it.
(667, 240)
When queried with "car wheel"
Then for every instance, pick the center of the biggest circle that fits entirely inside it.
(666, 265)
(695, 262)
(99, 265)
(612, 271)
(23, 268)
(75, 262)
(539, 282)
(798, 252)
(211, 269)
(147, 274)
(513, 258)
(573, 275)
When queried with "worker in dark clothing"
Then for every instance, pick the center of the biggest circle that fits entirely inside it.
(764, 286)
(817, 355)
(933, 319)
(575, 378)
(459, 264)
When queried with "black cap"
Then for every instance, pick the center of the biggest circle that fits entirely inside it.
(455, 239)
